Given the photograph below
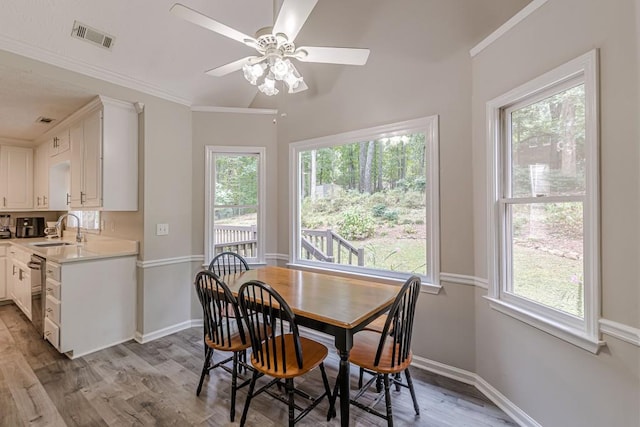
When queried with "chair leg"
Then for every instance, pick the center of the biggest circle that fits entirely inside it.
(292, 415)
(234, 381)
(327, 389)
(397, 381)
(378, 383)
(413, 392)
(205, 368)
(254, 377)
(360, 376)
(387, 400)
(333, 398)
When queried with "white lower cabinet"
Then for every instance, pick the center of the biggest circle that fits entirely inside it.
(90, 305)
(19, 279)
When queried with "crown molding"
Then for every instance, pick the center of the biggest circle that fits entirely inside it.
(213, 109)
(24, 49)
(504, 28)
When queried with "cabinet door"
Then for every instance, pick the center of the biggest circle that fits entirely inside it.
(76, 135)
(92, 161)
(41, 182)
(16, 177)
(59, 143)
(3, 278)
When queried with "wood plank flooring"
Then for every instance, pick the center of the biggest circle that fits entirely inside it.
(136, 384)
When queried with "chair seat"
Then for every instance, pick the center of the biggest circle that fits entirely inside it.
(377, 325)
(313, 353)
(363, 353)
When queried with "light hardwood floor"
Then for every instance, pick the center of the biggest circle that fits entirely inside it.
(154, 384)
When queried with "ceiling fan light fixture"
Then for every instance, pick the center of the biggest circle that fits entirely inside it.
(293, 78)
(253, 72)
(268, 87)
(280, 68)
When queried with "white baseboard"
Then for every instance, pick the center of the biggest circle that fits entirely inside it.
(75, 355)
(467, 377)
(145, 338)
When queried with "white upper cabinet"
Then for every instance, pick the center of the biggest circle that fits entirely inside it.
(59, 143)
(16, 178)
(104, 156)
(41, 178)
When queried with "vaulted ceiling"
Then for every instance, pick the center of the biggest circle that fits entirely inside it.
(157, 53)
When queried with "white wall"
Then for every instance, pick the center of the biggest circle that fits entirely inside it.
(554, 382)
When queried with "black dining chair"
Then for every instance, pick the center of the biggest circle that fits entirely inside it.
(387, 353)
(280, 355)
(221, 332)
(228, 263)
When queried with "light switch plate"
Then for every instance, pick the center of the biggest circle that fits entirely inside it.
(162, 229)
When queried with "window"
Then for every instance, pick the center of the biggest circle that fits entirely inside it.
(544, 202)
(366, 202)
(89, 221)
(234, 202)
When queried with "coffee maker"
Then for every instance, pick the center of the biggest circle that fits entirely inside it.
(5, 232)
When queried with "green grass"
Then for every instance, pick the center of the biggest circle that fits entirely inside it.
(394, 254)
(548, 279)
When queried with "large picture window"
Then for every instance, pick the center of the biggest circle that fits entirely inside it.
(544, 158)
(367, 202)
(234, 205)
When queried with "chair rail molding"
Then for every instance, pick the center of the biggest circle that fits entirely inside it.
(621, 331)
(461, 279)
(169, 261)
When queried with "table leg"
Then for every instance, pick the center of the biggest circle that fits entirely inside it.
(344, 388)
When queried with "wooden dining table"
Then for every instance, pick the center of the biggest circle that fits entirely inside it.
(335, 305)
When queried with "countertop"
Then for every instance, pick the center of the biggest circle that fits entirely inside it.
(96, 247)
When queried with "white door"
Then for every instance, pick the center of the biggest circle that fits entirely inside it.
(41, 184)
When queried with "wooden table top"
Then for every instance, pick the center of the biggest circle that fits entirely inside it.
(335, 300)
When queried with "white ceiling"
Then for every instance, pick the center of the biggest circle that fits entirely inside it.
(158, 53)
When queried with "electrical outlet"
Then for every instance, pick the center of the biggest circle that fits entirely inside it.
(162, 229)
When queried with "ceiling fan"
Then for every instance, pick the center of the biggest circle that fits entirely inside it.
(276, 48)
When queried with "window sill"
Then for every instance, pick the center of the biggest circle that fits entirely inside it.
(428, 288)
(558, 330)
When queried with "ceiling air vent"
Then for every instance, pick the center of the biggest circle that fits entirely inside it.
(84, 32)
(44, 120)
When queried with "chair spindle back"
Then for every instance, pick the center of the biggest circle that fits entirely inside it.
(400, 322)
(216, 300)
(262, 306)
(228, 263)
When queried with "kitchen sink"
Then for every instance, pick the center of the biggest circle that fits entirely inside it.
(51, 244)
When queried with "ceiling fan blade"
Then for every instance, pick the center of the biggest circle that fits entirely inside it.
(332, 55)
(230, 67)
(292, 16)
(204, 21)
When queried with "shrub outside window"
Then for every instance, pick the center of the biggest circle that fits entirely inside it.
(366, 201)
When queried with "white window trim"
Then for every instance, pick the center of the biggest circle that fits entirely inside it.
(585, 334)
(210, 150)
(428, 125)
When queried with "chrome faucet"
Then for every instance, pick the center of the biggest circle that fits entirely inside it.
(59, 226)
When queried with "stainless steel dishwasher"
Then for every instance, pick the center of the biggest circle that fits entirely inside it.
(37, 264)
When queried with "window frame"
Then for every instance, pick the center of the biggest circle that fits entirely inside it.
(580, 332)
(210, 152)
(428, 126)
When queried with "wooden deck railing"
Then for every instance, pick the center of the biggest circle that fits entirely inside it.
(236, 238)
(329, 246)
(321, 245)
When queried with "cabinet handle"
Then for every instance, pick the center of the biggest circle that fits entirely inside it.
(38, 201)
(44, 200)
(14, 270)
(47, 334)
(19, 274)
(68, 199)
(4, 202)
(49, 289)
(82, 197)
(49, 310)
